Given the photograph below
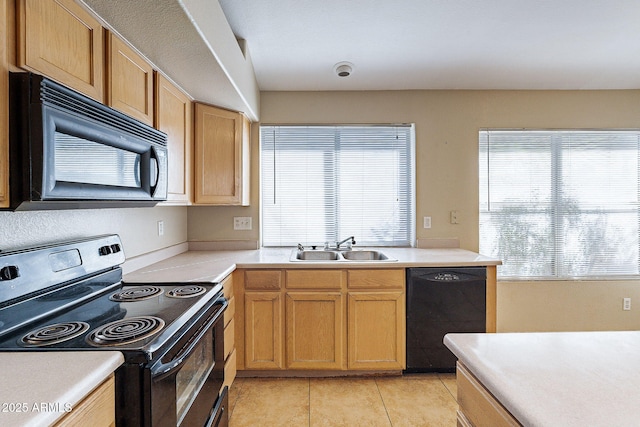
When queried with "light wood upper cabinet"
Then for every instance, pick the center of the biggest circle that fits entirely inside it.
(61, 40)
(4, 109)
(129, 81)
(221, 157)
(174, 117)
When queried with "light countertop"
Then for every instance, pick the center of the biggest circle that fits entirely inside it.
(558, 378)
(213, 266)
(38, 388)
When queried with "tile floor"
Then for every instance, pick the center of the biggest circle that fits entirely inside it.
(423, 400)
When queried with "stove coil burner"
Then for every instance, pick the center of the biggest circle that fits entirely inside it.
(188, 291)
(136, 294)
(53, 334)
(125, 331)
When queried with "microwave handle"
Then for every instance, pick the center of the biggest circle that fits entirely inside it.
(162, 370)
(154, 170)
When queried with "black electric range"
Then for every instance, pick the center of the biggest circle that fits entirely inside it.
(70, 296)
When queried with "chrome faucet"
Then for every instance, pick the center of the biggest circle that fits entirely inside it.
(349, 241)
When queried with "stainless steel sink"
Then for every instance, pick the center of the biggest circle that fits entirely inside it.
(317, 255)
(365, 256)
(338, 256)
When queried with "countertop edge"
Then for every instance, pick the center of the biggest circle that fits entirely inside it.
(86, 370)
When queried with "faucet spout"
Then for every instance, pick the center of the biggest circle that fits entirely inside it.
(349, 240)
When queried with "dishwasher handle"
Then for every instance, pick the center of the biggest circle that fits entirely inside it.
(445, 275)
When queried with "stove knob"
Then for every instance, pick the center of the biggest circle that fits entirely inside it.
(104, 250)
(9, 272)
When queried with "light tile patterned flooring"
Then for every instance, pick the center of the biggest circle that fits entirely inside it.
(423, 400)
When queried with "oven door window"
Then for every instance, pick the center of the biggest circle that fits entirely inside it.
(193, 374)
(87, 162)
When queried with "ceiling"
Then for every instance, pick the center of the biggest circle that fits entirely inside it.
(440, 44)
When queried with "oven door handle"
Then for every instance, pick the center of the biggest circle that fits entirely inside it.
(162, 370)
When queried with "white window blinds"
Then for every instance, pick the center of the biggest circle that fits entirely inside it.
(325, 183)
(560, 204)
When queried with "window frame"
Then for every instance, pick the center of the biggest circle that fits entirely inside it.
(558, 210)
(409, 225)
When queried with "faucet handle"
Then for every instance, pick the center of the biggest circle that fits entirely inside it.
(300, 247)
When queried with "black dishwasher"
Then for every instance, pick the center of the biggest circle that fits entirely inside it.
(439, 301)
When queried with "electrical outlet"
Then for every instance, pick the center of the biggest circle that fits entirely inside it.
(427, 222)
(160, 228)
(242, 223)
(453, 217)
(626, 304)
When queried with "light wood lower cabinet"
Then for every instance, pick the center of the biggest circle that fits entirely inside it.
(230, 368)
(476, 405)
(98, 409)
(376, 330)
(332, 319)
(263, 330)
(314, 330)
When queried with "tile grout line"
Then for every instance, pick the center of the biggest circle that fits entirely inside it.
(455, 398)
(375, 381)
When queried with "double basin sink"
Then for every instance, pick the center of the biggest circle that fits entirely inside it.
(339, 256)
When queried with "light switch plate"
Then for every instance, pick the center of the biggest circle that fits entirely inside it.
(242, 223)
(427, 222)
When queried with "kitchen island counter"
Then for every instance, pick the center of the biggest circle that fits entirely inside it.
(558, 378)
(40, 388)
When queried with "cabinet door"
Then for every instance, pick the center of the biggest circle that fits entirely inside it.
(221, 157)
(263, 330)
(376, 330)
(130, 81)
(174, 117)
(314, 330)
(4, 109)
(61, 40)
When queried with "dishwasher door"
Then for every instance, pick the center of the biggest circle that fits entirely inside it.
(440, 301)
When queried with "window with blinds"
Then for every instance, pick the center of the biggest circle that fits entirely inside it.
(560, 204)
(326, 183)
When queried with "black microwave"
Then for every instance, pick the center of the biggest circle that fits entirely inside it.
(67, 151)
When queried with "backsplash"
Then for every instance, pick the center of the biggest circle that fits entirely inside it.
(137, 227)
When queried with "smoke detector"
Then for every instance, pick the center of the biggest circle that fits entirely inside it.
(343, 69)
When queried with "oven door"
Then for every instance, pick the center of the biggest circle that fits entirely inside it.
(185, 385)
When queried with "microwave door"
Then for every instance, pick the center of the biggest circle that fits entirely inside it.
(86, 162)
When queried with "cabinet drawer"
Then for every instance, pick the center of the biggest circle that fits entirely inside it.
(316, 279)
(229, 338)
(376, 279)
(262, 279)
(227, 286)
(230, 311)
(230, 369)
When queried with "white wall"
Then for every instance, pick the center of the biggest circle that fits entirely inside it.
(137, 227)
